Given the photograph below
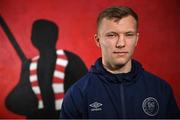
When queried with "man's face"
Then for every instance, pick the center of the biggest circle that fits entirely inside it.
(117, 40)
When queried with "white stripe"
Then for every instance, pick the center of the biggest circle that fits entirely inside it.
(61, 62)
(40, 104)
(60, 52)
(58, 104)
(59, 74)
(35, 58)
(33, 66)
(33, 78)
(36, 89)
(58, 87)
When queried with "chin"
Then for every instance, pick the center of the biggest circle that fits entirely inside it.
(121, 61)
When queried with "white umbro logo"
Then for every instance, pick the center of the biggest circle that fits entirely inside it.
(96, 106)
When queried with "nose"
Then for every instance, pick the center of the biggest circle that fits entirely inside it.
(121, 41)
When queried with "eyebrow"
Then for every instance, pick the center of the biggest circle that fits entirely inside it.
(131, 32)
(121, 32)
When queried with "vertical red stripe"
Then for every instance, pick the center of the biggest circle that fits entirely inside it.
(62, 57)
(34, 83)
(57, 80)
(59, 96)
(32, 72)
(39, 96)
(60, 68)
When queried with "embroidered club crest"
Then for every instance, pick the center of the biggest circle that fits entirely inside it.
(150, 106)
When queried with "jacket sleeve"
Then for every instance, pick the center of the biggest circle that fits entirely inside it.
(72, 104)
(172, 107)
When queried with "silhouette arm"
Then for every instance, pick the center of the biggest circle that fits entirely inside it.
(12, 39)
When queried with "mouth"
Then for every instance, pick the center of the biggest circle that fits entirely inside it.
(120, 53)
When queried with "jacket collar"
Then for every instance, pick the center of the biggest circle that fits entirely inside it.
(130, 77)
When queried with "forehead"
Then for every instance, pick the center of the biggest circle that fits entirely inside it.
(127, 23)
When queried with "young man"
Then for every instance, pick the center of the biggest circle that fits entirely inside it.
(117, 86)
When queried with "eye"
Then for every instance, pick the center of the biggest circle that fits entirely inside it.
(111, 35)
(130, 34)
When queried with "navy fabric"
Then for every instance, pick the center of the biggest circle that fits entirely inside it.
(137, 94)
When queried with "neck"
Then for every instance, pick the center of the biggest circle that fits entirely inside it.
(116, 69)
(47, 52)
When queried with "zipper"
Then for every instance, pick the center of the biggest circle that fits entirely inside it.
(122, 100)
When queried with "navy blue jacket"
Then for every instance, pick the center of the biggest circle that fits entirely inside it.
(137, 94)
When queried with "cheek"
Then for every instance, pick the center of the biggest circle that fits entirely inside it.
(107, 47)
(131, 46)
(108, 44)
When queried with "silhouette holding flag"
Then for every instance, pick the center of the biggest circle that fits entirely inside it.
(45, 78)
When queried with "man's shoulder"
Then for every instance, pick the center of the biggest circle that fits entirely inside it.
(84, 83)
(155, 80)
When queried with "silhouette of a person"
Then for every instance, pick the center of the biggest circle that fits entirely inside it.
(45, 78)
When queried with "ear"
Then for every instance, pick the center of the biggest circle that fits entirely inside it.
(96, 38)
(137, 39)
